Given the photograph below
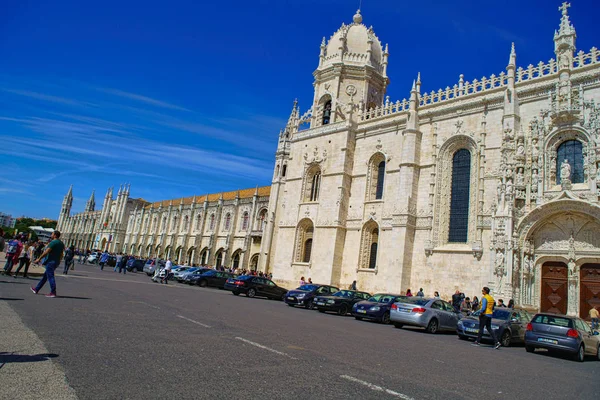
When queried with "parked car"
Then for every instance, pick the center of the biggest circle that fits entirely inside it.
(255, 286)
(150, 266)
(191, 274)
(430, 313)
(212, 278)
(340, 302)
(377, 307)
(93, 258)
(305, 294)
(135, 264)
(557, 332)
(509, 326)
(177, 272)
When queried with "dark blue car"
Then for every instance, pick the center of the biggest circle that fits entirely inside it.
(304, 295)
(377, 308)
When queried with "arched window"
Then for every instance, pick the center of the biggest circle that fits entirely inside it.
(307, 250)
(212, 222)
(572, 151)
(283, 170)
(327, 112)
(368, 245)
(199, 223)
(236, 260)
(203, 257)
(174, 225)
(186, 221)
(459, 200)
(155, 224)
(164, 224)
(380, 176)
(262, 220)
(315, 186)
(245, 221)
(227, 221)
(219, 260)
(304, 241)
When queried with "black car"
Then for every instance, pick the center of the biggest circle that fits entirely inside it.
(192, 278)
(255, 286)
(212, 278)
(135, 264)
(305, 295)
(509, 326)
(340, 302)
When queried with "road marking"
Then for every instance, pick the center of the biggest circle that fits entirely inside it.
(194, 322)
(143, 302)
(260, 346)
(376, 388)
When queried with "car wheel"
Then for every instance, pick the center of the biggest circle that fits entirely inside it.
(580, 356)
(385, 319)
(310, 305)
(598, 353)
(320, 310)
(282, 298)
(148, 274)
(529, 349)
(505, 339)
(358, 318)
(235, 293)
(398, 325)
(462, 337)
(251, 292)
(202, 283)
(291, 305)
(432, 327)
(343, 310)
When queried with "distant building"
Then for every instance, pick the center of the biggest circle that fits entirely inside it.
(42, 233)
(7, 220)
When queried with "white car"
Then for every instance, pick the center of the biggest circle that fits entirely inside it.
(92, 258)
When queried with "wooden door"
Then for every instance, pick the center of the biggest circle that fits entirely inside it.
(589, 289)
(554, 288)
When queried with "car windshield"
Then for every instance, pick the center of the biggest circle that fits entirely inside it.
(209, 273)
(345, 293)
(499, 313)
(308, 288)
(553, 320)
(382, 298)
(420, 301)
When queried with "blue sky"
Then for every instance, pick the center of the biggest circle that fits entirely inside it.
(186, 97)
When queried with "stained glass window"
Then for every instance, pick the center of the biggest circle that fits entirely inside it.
(459, 201)
(572, 151)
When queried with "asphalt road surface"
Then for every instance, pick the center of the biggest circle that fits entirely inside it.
(124, 337)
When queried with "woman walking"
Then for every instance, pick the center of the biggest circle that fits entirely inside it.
(25, 259)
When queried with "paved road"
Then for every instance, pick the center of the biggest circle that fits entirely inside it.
(125, 337)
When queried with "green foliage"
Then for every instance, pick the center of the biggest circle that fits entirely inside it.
(23, 224)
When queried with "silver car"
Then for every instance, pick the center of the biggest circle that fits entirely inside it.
(432, 314)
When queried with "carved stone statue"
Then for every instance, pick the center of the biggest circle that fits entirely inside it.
(565, 170)
(526, 264)
(534, 181)
(520, 178)
(520, 148)
(535, 151)
(509, 189)
(500, 190)
(499, 259)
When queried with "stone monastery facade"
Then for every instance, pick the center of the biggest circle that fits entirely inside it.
(489, 182)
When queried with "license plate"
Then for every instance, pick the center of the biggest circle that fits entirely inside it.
(320, 303)
(406, 310)
(291, 298)
(361, 311)
(472, 330)
(544, 340)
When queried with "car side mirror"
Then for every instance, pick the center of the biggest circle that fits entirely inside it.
(596, 333)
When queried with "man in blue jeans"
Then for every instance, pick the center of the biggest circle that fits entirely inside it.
(52, 254)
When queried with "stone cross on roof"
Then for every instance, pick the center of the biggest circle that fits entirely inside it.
(565, 6)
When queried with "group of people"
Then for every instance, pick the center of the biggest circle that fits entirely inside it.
(20, 253)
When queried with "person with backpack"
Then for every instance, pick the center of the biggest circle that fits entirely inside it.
(13, 251)
(69, 256)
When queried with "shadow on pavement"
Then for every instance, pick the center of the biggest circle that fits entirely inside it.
(9, 299)
(6, 358)
(14, 282)
(73, 297)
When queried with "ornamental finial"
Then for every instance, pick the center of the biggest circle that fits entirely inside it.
(357, 17)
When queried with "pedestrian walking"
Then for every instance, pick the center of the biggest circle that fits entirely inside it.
(2, 243)
(420, 293)
(168, 266)
(51, 256)
(103, 260)
(123, 264)
(475, 304)
(436, 294)
(511, 303)
(594, 316)
(408, 293)
(13, 251)
(302, 282)
(24, 259)
(118, 263)
(457, 299)
(485, 317)
(69, 255)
